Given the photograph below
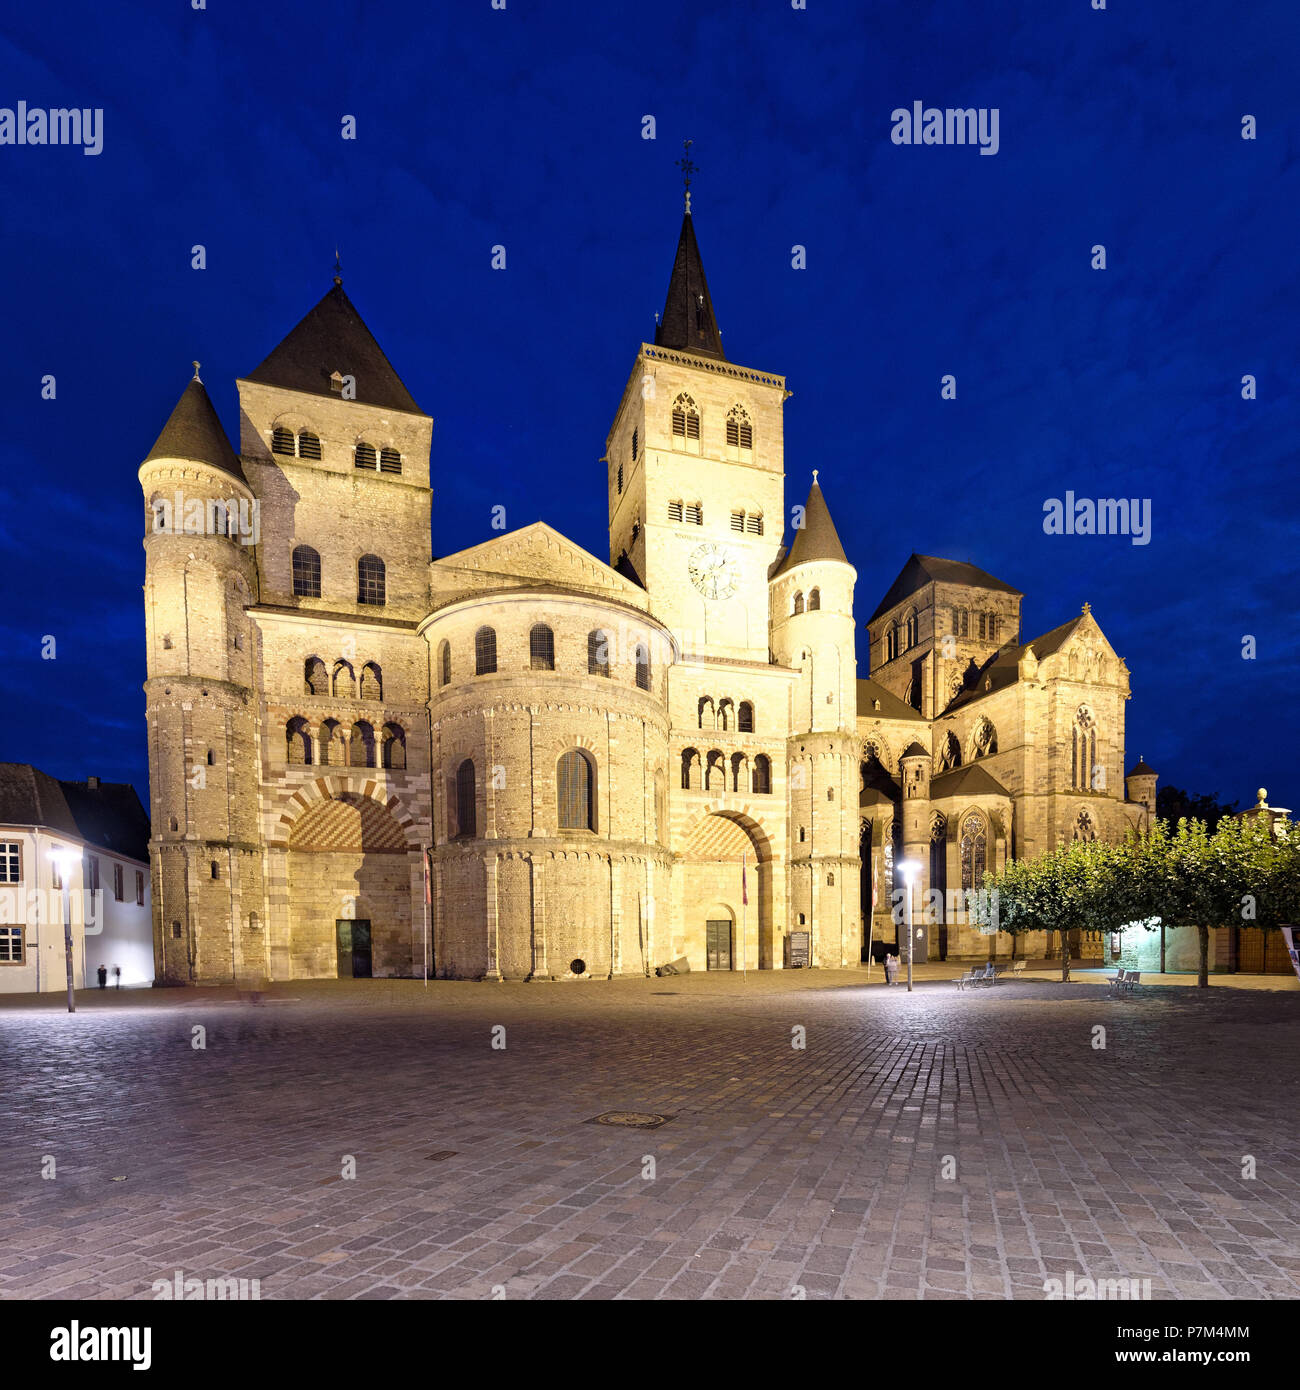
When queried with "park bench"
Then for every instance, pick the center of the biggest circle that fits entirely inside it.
(1125, 982)
(988, 975)
(1017, 967)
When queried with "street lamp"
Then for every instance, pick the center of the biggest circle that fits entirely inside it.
(909, 868)
(63, 860)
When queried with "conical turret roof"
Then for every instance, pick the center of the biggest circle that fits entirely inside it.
(193, 431)
(688, 321)
(817, 538)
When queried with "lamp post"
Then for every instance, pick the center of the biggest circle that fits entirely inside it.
(910, 868)
(63, 860)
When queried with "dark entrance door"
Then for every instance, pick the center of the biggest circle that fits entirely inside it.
(353, 940)
(718, 945)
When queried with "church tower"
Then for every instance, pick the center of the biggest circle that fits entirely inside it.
(201, 527)
(696, 463)
(812, 632)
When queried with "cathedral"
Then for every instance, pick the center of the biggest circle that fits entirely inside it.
(522, 761)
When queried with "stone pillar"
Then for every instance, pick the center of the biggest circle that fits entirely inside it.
(539, 970)
(493, 971)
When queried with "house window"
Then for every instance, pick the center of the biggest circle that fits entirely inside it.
(541, 648)
(139, 888)
(390, 461)
(371, 581)
(642, 666)
(465, 798)
(575, 791)
(485, 651)
(598, 653)
(10, 861)
(363, 455)
(119, 883)
(306, 572)
(308, 445)
(282, 441)
(11, 946)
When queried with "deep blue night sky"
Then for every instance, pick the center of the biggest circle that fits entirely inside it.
(524, 127)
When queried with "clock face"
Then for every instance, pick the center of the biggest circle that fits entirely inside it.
(714, 570)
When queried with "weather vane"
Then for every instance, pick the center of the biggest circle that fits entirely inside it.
(688, 168)
(338, 269)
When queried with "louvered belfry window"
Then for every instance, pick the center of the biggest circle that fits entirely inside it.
(364, 455)
(738, 521)
(693, 512)
(740, 433)
(282, 441)
(390, 461)
(574, 792)
(308, 445)
(674, 511)
(686, 419)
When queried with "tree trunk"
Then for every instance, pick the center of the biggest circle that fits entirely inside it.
(1065, 958)
(1203, 939)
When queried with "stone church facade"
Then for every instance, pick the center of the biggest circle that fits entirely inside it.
(523, 761)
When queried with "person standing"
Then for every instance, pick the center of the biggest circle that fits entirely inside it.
(102, 972)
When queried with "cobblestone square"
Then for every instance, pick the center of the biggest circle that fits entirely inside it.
(945, 1144)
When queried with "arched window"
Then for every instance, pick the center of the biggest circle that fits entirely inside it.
(298, 742)
(444, 663)
(465, 799)
(1084, 830)
(308, 445)
(708, 715)
(485, 651)
(361, 753)
(575, 791)
(363, 455)
(798, 601)
(316, 679)
(598, 653)
(345, 681)
(390, 461)
(642, 666)
(1083, 759)
(690, 769)
(332, 750)
(891, 641)
(961, 622)
(745, 718)
(541, 648)
(973, 847)
(661, 807)
(739, 776)
(984, 739)
(909, 621)
(740, 433)
(371, 581)
(306, 572)
(725, 714)
(372, 682)
(715, 772)
(282, 441)
(686, 418)
(762, 774)
(394, 747)
(814, 600)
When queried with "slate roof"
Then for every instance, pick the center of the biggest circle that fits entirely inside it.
(193, 431)
(1140, 769)
(1003, 667)
(687, 323)
(817, 538)
(921, 570)
(108, 817)
(971, 780)
(334, 338)
(891, 707)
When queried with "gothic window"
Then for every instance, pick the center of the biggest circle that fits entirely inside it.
(444, 663)
(887, 861)
(541, 648)
(1084, 830)
(363, 455)
(798, 601)
(282, 441)
(361, 753)
(891, 642)
(1083, 752)
(372, 682)
(814, 600)
(740, 433)
(949, 753)
(909, 621)
(575, 791)
(961, 622)
(308, 445)
(745, 718)
(686, 418)
(465, 799)
(762, 774)
(485, 651)
(598, 653)
(371, 581)
(316, 680)
(298, 742)
(974, 842)
(345, 681)
(984, 739)
(642, 666)
(992, 627)
(331, 749)
(395, 747)
(390, 461)
(306, 572)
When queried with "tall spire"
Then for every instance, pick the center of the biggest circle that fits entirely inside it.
(817, 538)
(193, 431)
(688, 321)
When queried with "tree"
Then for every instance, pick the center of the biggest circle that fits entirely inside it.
(1173, 804)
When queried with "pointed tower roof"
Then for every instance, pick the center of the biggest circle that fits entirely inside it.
(817, 538)
(193, 431)
(334, 338)
(688, 321)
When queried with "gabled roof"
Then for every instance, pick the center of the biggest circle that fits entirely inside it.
(921, 570)
(108, 816)
(29, 797)
(334, 338)
(193, 431)
(1054, 640)
(891, 707)
(688, 320)
(971, 780)
(817, 538)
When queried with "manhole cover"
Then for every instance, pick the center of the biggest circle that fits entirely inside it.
(630, 1119)
(441, 1154)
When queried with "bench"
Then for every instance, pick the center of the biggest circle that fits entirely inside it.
(988, 975)
(1018, 967)
(1125, 982)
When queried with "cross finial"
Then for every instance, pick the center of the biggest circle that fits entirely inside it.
(815, 482)
(1087, 608)
(688, 168)
(338, 269)
(196, 373)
